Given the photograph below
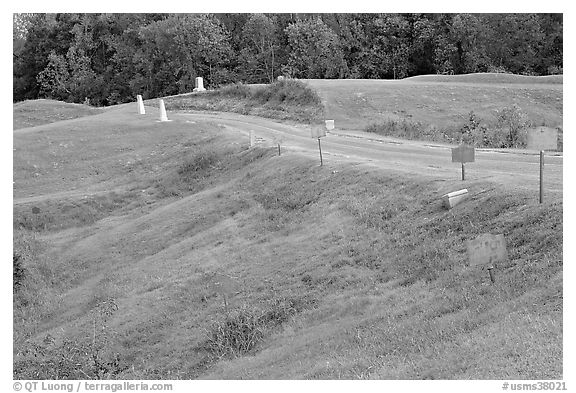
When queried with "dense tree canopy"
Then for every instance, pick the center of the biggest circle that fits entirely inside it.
(109, 58)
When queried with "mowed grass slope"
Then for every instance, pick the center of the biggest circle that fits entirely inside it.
(37, 112)
(440, 101)
(340, 271)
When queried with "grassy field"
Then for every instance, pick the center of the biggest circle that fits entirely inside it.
(440, 101)
(38, 112)
(173, 251)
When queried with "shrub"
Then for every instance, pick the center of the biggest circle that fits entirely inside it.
(401, 128)
(474, 133)
(236, 90)
(515, 123)
(89, 358)
(289, 91)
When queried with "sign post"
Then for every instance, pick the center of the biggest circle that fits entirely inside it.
(487, 250)
(318, 132)
(463, 154)
(541, 176)
(277, 141)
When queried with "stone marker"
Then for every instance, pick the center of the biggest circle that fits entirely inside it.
(329, 124)
(453, 198)
(163, 116)
(317, 131)
(199, 84)
(252, 138)
(542, 138)
(486, 249)
(280, 78)
(141, 109)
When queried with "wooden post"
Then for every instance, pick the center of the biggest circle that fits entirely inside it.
(462, 171)
(278, 149)
(541, 176)
(320, 149)
(492, 278)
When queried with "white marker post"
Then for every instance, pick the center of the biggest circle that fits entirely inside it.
(163, 116)
(541, 176)
(252, 138)
(141, 109)
(199, 84)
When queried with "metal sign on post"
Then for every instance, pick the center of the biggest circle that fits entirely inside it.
(318, 132)
(542, 138)
(487, 250)
(463, 154)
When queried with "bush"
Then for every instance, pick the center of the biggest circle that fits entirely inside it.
(90, 358)
(514, 122)
(401, 128)
(474, 133)
(236, 90)
(288, 91)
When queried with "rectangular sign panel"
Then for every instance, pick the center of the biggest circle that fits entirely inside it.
(543, 138)
(318, 131)
(329, 124)
(487, 249)
(463, 154)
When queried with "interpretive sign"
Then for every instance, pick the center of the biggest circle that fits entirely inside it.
(487, 249)
(542, 138)
(329, 124)
(318, 131)
(463, 153)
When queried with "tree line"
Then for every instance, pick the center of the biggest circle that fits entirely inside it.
(109, 58)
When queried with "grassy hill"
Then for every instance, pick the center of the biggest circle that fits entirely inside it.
(173, 251)
(440, 101)
(38, 112)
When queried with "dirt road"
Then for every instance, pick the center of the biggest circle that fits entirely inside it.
(516, 169)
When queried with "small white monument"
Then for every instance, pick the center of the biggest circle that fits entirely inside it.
(141, 109)
(163, 116)
(329, 124)
(199, 84)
